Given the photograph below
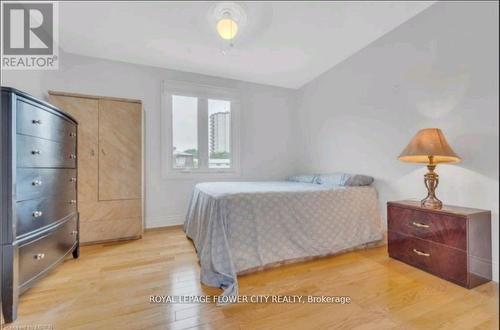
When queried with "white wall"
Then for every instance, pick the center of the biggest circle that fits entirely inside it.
(440, 69)
(266, 130)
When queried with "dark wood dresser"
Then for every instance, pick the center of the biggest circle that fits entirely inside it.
(38, 205)
(453, 243)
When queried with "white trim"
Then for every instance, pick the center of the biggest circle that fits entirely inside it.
(165, 221)
(143, 164)
(495, 271)
(171, 87)
(200, 90)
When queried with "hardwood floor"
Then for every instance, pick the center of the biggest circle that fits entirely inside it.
(109, 287)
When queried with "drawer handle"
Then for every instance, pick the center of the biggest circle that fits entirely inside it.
(420, 253)
(419, 225)
(35, 152)
(72, 156)
(74, 232)
(37, 183)
(72, 180)
(37, 214)
(72, 201)
(72, 134)
(36, 121)
(39, 256)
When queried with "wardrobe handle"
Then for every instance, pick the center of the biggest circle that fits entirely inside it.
(72, 201)
(36, 183)
(39, 256)
(74, 232)
(36, 121)
(72, 134)
(37, 214)
(72, 180)
(35, 152)
(72, 156)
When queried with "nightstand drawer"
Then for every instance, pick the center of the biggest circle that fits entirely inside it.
(444, 229)
(446, 262)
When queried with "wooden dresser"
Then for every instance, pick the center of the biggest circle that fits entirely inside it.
(453, 243)
(38, 204)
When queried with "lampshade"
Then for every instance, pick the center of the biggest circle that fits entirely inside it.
(429, 142)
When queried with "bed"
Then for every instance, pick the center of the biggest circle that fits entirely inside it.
(242, 226)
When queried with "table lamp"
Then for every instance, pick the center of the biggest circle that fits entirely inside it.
(429, 146)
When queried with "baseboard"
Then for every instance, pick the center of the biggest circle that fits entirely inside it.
(495, 271)
(165, 221)
(111, 241)
(163, 229)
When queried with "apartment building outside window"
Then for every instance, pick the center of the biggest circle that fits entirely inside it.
(200, 130)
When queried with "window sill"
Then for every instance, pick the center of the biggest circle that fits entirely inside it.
(201, 174)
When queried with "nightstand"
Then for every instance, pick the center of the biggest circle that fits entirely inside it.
(453, 242)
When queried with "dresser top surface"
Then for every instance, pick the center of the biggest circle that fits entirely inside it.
(44, 104)
(446, 209)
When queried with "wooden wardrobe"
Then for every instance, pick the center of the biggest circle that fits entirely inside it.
(110, 190)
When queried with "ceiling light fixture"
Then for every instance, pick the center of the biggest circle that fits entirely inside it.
(228, 17)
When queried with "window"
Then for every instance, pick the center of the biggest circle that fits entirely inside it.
(185, 131)
(200, 125)
(219, 134)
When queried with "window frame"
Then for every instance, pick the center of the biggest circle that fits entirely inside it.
(203, 93)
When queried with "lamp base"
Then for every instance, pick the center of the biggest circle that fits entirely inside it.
(431, 180)
(431, 203)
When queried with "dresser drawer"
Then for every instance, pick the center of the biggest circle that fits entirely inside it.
(34, 121)
(40, 254)
(444, 229)
(36, 152)
(40, 182)
(37, 213)
(446, 262)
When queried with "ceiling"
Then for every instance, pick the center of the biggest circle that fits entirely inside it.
(284, 44)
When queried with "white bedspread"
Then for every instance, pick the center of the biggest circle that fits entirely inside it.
(236, 226)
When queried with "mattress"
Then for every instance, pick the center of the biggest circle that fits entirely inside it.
(238, 226)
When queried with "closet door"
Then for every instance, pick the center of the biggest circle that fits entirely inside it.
(86, 113)
(120, 150)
